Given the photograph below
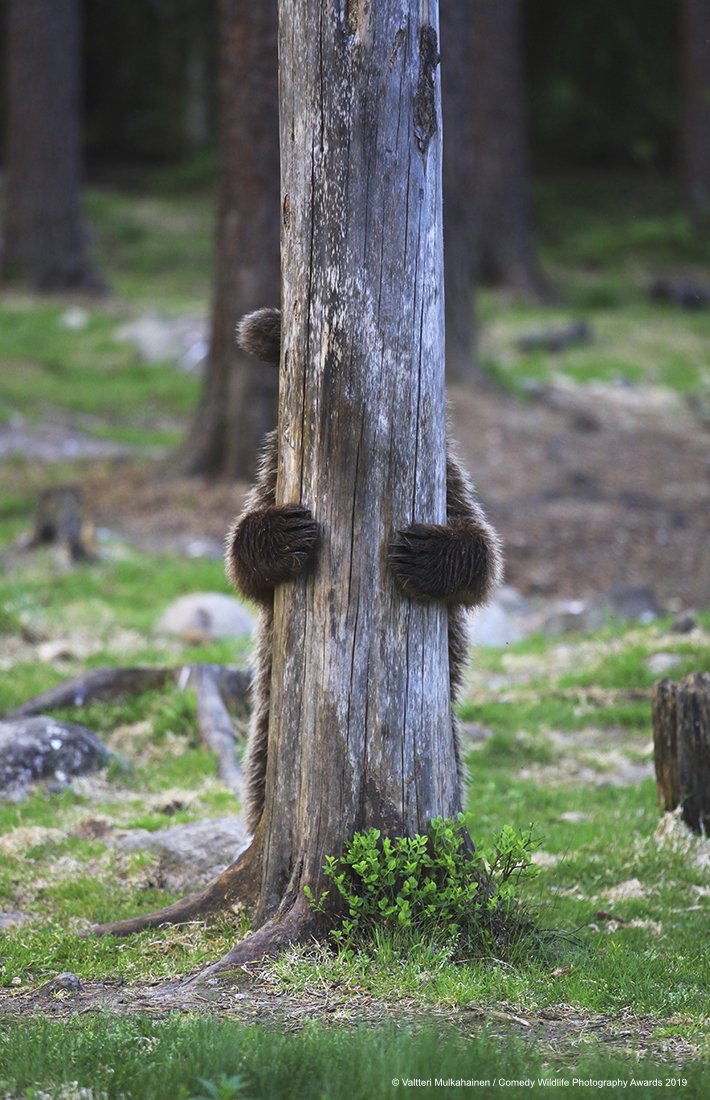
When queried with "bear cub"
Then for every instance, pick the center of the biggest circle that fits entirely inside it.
(459, 563)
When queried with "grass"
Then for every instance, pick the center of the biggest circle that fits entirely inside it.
(190, 1058)
(87, 378)
(603, 241)
(569, 749)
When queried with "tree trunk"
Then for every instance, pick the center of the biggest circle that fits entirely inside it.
(505, 253)
(695, 123)
(238, 404)
(360, 731)
(458, 172)
(681, 747)
(45, 241)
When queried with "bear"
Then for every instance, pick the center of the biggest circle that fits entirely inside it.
(459, 563)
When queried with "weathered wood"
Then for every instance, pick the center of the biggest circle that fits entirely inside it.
(96, 685)
(681, 747)
(102, 684)
(61, 520)
(360, 733)
(215, 724)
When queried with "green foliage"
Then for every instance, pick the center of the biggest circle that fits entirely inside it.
(224, 1088)
(429, 886)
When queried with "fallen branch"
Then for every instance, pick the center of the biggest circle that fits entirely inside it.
(102, 684)
(215, 724)
(237, 885)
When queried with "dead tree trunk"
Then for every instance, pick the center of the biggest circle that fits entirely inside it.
(360, 729)
(45, 240)
(458, 175)
(360, 733)
(695, 121)
(501, 194)
(681, 747)
(238, 403)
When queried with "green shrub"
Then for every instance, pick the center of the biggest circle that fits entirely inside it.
(429, 887)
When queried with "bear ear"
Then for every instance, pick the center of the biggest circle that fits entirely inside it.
(259, 334)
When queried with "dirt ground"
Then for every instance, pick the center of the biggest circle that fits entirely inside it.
(562, 1031)
(592, 490)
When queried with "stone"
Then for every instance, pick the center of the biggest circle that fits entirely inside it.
(634, 602)
(685, 623)
(206, 616)
(156, 338)
(12, 920)
(43, 748)
(660, 663)
(499, 623)
(572, 617)
(190, 855)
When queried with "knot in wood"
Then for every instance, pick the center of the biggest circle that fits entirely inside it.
(425, 96)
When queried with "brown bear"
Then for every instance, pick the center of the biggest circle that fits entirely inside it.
(459, 563)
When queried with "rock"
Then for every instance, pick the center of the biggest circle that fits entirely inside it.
(634, 602)
(684, 623)
(680, 292)
(475, 733)
(556, 339)
(64, 649)
(572, 617)
(206, 616)
(658, 663)
(12, 920)
(190, 855)
(499, 623)
(43, 748)
(63, 983)
(75, 318)
(182, 339)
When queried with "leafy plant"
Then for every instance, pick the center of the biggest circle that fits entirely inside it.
(429, 886)
(224, 1088)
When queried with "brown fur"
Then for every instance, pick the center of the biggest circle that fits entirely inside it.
(459, 563)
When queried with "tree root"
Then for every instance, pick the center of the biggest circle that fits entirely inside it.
(297, 925)
(238, 884)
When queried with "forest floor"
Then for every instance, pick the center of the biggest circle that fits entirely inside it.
(594, 465)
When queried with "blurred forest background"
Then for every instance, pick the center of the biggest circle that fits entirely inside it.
(140, 220)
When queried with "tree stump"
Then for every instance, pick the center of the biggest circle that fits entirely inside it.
(681, 747)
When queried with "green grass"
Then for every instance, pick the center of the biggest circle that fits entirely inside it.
(568, 720)
(88, 378)
(187, 1057)
(602, 241)
(161, 241)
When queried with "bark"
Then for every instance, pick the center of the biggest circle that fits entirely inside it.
(238, 403)
(45, 240)
(695, 122)
(458, 172)
(505, 252)
(360, 732)
(681, 748)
